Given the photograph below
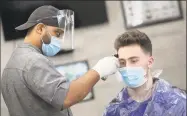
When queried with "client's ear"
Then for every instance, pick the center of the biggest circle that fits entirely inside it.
(150, 62)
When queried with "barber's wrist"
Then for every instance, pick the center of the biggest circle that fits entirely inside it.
(95, 73)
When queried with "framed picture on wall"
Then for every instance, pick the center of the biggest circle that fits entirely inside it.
(144, 13)
(74, 70)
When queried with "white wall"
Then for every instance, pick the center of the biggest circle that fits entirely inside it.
(169, 50)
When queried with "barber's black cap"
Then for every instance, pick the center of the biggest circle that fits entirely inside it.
(40, 16)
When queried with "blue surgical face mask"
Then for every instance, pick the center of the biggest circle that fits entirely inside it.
(133, 77)
(53, 47)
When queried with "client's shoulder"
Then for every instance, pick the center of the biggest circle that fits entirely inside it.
(169, 98)
(167, 93)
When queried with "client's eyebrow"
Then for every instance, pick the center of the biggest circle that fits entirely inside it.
(130, 58)
(133, 57)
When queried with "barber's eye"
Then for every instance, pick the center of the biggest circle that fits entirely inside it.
(58, 34)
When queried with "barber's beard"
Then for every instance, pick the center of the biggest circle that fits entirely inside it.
(46, 39)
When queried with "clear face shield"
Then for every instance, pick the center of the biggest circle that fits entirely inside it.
(66, 23)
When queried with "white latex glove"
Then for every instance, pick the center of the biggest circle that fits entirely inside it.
(106, 66)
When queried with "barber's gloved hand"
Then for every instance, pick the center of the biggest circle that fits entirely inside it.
(106, 66)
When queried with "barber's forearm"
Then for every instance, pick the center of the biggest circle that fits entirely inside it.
(80, 88)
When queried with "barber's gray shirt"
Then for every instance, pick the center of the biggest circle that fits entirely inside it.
(31, 86)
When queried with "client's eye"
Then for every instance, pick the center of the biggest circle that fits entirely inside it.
(122, 63)
(134, 61)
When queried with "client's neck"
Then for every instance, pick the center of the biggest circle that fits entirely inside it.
(143, 91)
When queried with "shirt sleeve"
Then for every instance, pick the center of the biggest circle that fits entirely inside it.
(45, 81)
